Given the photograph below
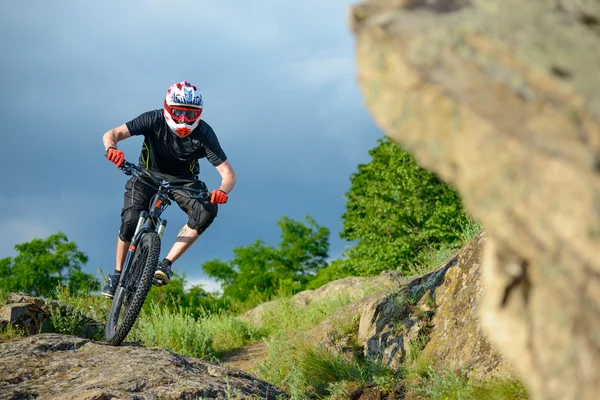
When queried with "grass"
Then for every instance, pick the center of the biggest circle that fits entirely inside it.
(176, 330)
(432, 384)
(207, 337)
(75, 321)
(213, 334)
(432, 258)
(304, 370)
(10, 332)
(289, 316)
(422, 381)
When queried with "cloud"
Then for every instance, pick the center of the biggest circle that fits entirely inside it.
(318, 70)
(209, 284)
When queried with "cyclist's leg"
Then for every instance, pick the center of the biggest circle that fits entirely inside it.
(135, 200)
(200, 214)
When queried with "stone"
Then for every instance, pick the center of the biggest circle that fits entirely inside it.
(32, 315)
(500, 98)
(52, 366)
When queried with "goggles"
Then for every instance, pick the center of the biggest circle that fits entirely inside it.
(180, 114)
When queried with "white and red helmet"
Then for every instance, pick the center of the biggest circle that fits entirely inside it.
(182, 108)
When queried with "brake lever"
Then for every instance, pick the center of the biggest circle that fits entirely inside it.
(126, 170)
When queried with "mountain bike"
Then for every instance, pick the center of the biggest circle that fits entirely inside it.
(142, 256)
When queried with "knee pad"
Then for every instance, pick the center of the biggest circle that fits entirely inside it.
(129, 219)
(201, 216)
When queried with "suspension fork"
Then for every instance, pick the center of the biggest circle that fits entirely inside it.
(161, 228)
(133, 246)
(136, 239)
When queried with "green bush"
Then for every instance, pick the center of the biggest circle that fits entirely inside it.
(42, 264)
(258, 271)
(397, 212)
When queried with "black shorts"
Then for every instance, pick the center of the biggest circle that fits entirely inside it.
(138, 196)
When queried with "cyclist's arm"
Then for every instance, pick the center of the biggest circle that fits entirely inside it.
(115, 135)
(228, 177)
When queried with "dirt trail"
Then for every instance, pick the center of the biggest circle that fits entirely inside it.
(246, 357)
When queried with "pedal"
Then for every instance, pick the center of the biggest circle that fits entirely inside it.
(160, 279)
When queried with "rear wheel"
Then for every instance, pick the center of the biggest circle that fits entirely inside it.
(131, 294)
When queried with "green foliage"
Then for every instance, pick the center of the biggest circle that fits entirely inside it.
(83, 316)
(10, 332)
(450, 385)
(259, 271)
(285, 315)
(228, 332)
(397, 211)
(206, 336)
(422, 381)
(175, 329)
(335, 270)
(432, 259)
(305, 370)
(43, 264)
(194, 299)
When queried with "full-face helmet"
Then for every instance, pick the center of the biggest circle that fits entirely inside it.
(182, 108)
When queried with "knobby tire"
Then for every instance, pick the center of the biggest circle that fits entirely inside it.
(140, 276)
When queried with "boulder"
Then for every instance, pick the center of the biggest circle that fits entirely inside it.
(33, 315)
(500, 99)
(457, 340)
(51, 366)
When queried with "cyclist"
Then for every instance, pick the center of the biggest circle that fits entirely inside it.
(175, 138)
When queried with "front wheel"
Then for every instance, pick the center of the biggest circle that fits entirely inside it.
(131, 293)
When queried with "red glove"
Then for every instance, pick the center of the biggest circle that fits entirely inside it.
(218, 197)
(115, 156)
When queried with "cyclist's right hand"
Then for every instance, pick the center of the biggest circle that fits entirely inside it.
(115, 156)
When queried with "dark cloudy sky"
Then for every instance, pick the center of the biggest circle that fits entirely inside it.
(280, 90)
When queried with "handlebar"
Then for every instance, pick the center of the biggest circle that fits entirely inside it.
(161, 184)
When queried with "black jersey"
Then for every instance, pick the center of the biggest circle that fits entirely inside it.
(165, 152)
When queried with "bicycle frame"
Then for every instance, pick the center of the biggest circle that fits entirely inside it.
(149, 221)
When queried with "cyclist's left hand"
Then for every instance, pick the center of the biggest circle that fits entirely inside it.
(218, 197)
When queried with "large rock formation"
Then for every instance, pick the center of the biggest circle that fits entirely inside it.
(456, 340)
(52, 366)
(436, 312)
(501, 99)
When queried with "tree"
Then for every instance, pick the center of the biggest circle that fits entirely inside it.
(43, 264)
(258, 270)
(396, 211)
(194, 299)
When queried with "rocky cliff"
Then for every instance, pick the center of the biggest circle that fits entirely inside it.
(500, 99)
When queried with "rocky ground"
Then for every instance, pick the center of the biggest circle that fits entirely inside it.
(51, 366)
